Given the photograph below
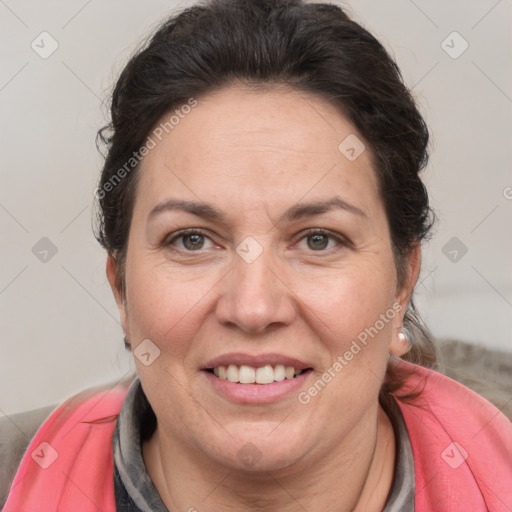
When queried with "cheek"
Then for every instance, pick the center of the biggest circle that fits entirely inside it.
(164, 307)
(350, 306)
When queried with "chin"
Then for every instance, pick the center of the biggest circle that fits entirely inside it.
(261, 453)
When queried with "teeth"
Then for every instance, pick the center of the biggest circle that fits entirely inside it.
(262, 375)
(289, 372)
(265, 375)
(247, 375)
(279, 373)
(232, 373)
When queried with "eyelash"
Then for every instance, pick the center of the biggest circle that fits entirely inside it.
(181, 234)
(341, 241)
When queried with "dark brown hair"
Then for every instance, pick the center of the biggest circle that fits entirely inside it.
(310, 47)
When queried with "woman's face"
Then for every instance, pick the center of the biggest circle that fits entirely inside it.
(258, 242)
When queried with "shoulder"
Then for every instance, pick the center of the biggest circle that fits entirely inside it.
(95, 404)
(16, 432)
(461, 443)
(22, 432)
(456, 406)
(438, 402)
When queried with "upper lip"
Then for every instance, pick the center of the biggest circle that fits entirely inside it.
(256, 361)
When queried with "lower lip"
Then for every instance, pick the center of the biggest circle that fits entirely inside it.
(257, 393)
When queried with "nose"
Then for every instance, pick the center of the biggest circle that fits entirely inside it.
(255, 297)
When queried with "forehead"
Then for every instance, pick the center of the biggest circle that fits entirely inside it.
(257, 143)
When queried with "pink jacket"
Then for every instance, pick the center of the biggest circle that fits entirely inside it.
(462, 448)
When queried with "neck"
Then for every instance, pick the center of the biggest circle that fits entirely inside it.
(355, 475)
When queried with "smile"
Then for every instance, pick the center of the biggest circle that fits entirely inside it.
(256, 379)
(266, 374)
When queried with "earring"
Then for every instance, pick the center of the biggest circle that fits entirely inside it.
(126, 342)
(402, 338)
(400, 345)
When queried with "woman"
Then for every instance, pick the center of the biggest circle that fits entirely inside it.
(262, 211)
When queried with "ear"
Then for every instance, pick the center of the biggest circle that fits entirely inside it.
(412, 272)
(111, 271)
(400, 345)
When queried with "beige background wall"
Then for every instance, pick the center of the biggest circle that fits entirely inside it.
(60, 330)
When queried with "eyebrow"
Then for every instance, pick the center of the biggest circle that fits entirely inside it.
(200, 209)
(294, 213)
(302, 210)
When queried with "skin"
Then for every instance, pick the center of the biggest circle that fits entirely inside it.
(252, 156)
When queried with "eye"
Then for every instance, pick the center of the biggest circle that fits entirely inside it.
(190, 240)
(319, 240)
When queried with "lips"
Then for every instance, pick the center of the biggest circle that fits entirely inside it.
(255, 361)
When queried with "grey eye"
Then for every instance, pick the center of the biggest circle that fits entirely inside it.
(318, 241)
(193, 242)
